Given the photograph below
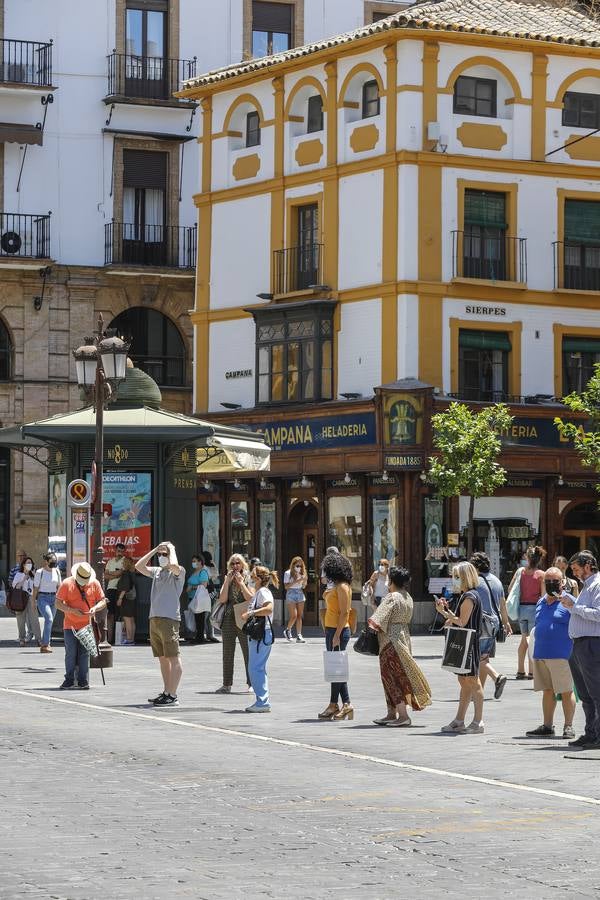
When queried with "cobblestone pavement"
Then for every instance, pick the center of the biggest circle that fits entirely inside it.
(103, 796)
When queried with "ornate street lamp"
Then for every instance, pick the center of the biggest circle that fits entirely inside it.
(101, 363)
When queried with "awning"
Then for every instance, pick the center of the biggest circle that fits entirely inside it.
(526, 509)
(225, 454)
(155, 135)
(20, 134)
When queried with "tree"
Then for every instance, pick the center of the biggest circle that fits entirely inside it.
(468, 445)
(586, 442)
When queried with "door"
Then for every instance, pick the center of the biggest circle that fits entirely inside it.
(312, 592)
(574, 541)
(308, 247)
(145, 60)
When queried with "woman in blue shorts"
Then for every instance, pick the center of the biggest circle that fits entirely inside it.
(294, 582)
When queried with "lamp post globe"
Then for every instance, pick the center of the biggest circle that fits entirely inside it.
(86, 361)
(113, 353)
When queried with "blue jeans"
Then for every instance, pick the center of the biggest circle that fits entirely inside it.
(338, 689)
(258, 655)
(76, 657)
(46, 604)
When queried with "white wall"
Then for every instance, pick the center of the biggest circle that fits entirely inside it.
(359, 347)
(361, 233)
(231, 348)
(240, 264)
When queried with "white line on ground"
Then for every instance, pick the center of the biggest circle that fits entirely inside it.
(315, 748)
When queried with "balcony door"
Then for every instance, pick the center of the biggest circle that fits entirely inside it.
(146, 67)
(307, 264)
(582, 245)
(484, 242)
(144, 231)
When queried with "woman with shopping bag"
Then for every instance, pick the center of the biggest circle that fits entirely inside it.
(337, 570)
(197, 591)
(466, 622)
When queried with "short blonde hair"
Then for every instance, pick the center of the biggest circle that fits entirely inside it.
(467, 574)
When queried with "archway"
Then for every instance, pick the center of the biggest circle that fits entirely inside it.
(301, 539)
(581, 528)
(156, 344)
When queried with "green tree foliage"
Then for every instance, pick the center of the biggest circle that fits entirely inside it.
(585, 437)
(468, 445)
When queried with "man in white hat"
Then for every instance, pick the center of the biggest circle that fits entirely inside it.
(78, 597)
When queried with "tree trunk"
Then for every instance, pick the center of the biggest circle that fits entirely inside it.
(470, 527)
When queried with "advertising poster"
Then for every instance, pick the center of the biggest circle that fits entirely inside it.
(267, 535)
(57, 505)
(127, 519)
(435, 552)
(384, 530)
(240, 532)
(210, 533)
(79, 535)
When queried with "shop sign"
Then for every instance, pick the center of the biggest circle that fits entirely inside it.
(318, 434)
(403, 461)
(239, 373)
(525, 482)
(485, 310)
(527, 431)
(403, 417)
(117, 454)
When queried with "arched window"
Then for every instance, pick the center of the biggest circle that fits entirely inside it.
(6, 352)
(156, 345)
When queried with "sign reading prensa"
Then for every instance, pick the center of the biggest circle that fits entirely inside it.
(79, 493)
(403, 461)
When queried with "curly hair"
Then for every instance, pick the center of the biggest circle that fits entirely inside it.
(337, 568)
(399, 576)
(481, 561)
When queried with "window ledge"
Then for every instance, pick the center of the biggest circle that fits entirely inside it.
(514, 285)
(576, 291)
(308, 292)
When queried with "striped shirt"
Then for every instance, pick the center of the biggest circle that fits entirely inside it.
(585, 615)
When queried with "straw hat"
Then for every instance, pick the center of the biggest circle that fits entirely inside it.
(83, 573)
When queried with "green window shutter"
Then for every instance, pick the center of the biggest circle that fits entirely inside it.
(582, 221)
(580, 345)
(483, 340)
(485, 208)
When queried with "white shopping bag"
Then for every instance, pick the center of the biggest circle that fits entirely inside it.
(118, 633)
(335, 665)
(190, 621)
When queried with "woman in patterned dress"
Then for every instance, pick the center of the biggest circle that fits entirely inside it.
(403, 681)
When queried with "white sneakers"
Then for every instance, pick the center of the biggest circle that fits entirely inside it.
(459, 728)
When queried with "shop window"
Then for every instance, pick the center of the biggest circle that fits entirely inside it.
(345, 533)
(579, 356)
(252, 129)
(272, 28)
(484, 239)
(581, 110)
(294, 355)
(266, 537)
(315, 114)
(581, 258)
(240, 528)
(6, 354)
(156, 345)
(483, 365)
(211, 533)
(370, 99)
(475, 96)
(384, 517)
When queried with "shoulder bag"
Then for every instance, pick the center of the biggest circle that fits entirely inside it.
(367, 642)
(500, 633)
(513, 600)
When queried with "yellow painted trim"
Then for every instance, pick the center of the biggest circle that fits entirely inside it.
(391, 107)
(589, 149)
(295, 119)
(389, 264)
(571, 79)
(239, 101)
(308, 81)
(206, 145)
(482, 136)
(430, 223)
(513, 329)
(310, 152)
(431, 52)
(489, 61)
(202, 347)
(539, 75)
(364, 138)
(246, 167)
(330, 234)
(349, 104)
(417, 88)
(279, 148)
(332, 118)
(430, 337)
(361, 67)
(511, 207)
(560, 332)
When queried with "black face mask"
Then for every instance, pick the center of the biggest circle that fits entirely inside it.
(553, 588)
(52, 563)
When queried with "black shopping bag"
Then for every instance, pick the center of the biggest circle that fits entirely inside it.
(458, 650)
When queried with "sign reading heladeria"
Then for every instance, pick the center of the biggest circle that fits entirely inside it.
(317, 434)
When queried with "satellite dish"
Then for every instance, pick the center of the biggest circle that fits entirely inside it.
(10, 242)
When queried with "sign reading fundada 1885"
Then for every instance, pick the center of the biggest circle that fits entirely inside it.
(318, 434)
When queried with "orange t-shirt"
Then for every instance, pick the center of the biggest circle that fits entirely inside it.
(70, 593)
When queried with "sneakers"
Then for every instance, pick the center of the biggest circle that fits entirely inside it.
(568, 731)
(475, 728)
(541, 731)
(500, 684)
(287, 634)
(224, 689)
(83, 687)
(258, 709)
(67, 686)
(300, 639)
(584, 739)
(157, 698)
(454, 728)
(166, 700)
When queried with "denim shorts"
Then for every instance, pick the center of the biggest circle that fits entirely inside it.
(487, 646)
(295, 595)
(526, 617)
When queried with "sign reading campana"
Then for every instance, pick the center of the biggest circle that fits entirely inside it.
(318, 434)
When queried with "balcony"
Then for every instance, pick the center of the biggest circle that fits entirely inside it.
(576, 266)
(24, 237)
(147, 77)
(297, 268)
(26, 63)
(165, 246)
(489, 255)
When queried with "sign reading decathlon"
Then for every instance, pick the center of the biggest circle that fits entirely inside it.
(319, 434)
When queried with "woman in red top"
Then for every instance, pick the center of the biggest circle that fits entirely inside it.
(531, 588)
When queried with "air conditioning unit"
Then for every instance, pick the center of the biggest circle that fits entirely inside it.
(11, 242)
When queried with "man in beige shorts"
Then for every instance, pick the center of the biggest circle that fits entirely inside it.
(552, 648)
(168, 580)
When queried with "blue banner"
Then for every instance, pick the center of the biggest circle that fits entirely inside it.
(318, 434)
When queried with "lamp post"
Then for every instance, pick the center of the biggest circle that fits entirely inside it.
(101, 363)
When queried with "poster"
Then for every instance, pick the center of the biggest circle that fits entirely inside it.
(127, 516)
(266, 550)
(435, 552)
(345, 533)
(57, 505)
(384, 513)
(240, 532)
(80, 526)
(210, 533)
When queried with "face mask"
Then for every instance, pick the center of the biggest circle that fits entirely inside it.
(456, 585)
(524, 563)
(553, 587)
(163, 561)
(382, 569)
(28, 567)
(195, 565)
(52, 563)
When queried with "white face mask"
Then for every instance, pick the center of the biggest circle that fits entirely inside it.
(382, 570)
(456, 585)
(163, 561)
(195, 565)
(525, 562)
(27, 567)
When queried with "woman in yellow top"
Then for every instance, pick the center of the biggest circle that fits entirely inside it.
(338, 598)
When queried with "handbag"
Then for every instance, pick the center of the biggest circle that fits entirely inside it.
(86, 638)
(513, 600)
(218, 614)
(500, 634)
(459, 650)
(17, 599)
(190, 621)
(366, 594)
(367, 642)
(335, 666)
(200, 602)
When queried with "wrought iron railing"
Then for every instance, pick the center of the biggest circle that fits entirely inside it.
(24, 236)
(169, 246)
(576, 266)
(297, 268)
(489, 255)
(147, 77)
(25, 62)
